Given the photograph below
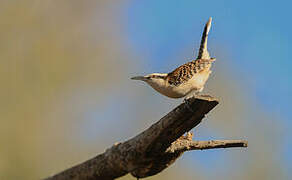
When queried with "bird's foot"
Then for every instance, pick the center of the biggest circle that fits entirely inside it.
(187, 104)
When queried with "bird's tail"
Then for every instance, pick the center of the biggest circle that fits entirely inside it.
(203, 52)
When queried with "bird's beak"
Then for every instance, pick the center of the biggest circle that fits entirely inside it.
(141, 78)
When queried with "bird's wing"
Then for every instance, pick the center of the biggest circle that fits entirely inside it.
(188, 70)
(203, 51)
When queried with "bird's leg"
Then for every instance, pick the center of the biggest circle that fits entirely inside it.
(187, 104)
(192, 94)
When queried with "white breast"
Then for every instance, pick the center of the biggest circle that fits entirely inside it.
(196, 83)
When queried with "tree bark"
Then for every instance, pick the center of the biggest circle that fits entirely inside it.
(153, 150)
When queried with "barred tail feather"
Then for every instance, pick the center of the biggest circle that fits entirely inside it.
(203, 52)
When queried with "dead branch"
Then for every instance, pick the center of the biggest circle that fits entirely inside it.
(153, 150)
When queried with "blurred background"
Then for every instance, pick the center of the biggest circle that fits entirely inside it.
(66, 93)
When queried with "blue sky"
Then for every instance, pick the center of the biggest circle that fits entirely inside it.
(255, 34)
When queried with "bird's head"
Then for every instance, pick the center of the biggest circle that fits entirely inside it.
(152, 79)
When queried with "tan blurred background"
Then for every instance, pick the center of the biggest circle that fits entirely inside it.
(66, 96)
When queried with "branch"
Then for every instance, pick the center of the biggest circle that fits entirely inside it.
(185, 143)
(153, 150)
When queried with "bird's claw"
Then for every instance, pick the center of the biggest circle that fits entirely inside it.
(187, 104)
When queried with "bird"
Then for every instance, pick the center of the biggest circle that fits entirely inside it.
(187, 80)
